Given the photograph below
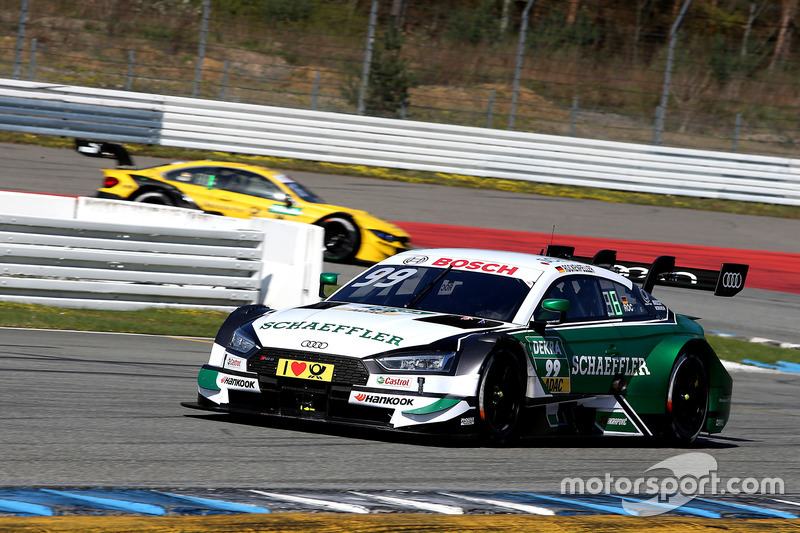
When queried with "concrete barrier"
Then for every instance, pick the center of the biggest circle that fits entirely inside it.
(107, 254)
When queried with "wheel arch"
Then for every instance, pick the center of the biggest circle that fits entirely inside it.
(339, 214)
(475, 352)
(237, 318)
(173, 193)
(649, 393)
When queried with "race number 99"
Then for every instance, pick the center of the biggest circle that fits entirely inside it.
(385, 277)
(552, 367)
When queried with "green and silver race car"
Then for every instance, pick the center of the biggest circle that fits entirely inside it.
(491, 343)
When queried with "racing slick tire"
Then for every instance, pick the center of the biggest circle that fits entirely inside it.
(154, 197)
(342, 238)
(687, 399)
(501, 397)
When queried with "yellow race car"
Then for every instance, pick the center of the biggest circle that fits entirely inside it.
(245, 191)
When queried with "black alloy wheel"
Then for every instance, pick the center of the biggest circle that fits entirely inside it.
(687, 399)
(501, 395)
(342, 239)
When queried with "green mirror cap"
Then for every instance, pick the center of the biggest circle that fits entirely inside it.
(556, 304)
(329, 278)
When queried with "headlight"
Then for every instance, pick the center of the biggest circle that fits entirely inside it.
(240, 343)
(422, 362)
(388, 237)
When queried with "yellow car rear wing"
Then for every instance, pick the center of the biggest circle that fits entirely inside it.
(105, 150)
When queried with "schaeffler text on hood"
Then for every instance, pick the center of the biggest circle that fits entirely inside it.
(352, 329)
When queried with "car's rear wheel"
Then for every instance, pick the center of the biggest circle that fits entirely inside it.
(687, 399)
(154, 197)
(342, 238)
(501, 395)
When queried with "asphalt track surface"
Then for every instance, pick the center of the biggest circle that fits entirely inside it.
(96, 409)
(93, 409)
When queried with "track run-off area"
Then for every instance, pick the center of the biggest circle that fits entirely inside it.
(85, 412)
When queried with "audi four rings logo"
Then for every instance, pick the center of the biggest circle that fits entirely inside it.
(314, 344)
(416, 260)
(732, 280)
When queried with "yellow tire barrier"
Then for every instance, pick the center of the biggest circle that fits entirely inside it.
(380, 523)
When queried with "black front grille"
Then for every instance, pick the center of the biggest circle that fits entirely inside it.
(346, 370)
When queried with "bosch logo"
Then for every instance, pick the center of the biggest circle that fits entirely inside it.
(732, 280)
(317, 345)
(416, 260)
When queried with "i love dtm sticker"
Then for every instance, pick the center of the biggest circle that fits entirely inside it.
(291, 368)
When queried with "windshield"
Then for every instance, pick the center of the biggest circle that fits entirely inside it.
(459, 292)
(302, 192)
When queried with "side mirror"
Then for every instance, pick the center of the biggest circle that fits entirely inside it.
(554, 310)
(327, 279)
(556, 305)
(284, 198)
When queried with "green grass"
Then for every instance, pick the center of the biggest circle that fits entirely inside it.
(195, 323)
(189, 323)
(736, 350)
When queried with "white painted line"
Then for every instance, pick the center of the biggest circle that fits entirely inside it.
(336, 506)
(525, 508)
(425, 506)
(787, 501)
(739, 367)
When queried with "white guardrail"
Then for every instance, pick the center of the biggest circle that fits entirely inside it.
(402, 144)
(107, 254)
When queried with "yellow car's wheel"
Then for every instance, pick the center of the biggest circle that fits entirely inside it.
(154, 197)
(342, 238)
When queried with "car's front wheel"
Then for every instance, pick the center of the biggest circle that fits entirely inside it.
(154, 197)
(342, 238)
(501, 395)
(687, 399)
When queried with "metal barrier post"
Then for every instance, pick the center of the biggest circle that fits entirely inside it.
(32, 63)
(23, 17)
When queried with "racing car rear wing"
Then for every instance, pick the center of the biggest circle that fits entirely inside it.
(104, 149)
(727, 281)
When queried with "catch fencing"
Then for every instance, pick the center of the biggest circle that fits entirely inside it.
(721, 78)
(105, 254)
(399, 144)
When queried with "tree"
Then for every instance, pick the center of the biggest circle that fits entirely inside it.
(572, 11)
(785, 33)
(389, 78)
(505, 15)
